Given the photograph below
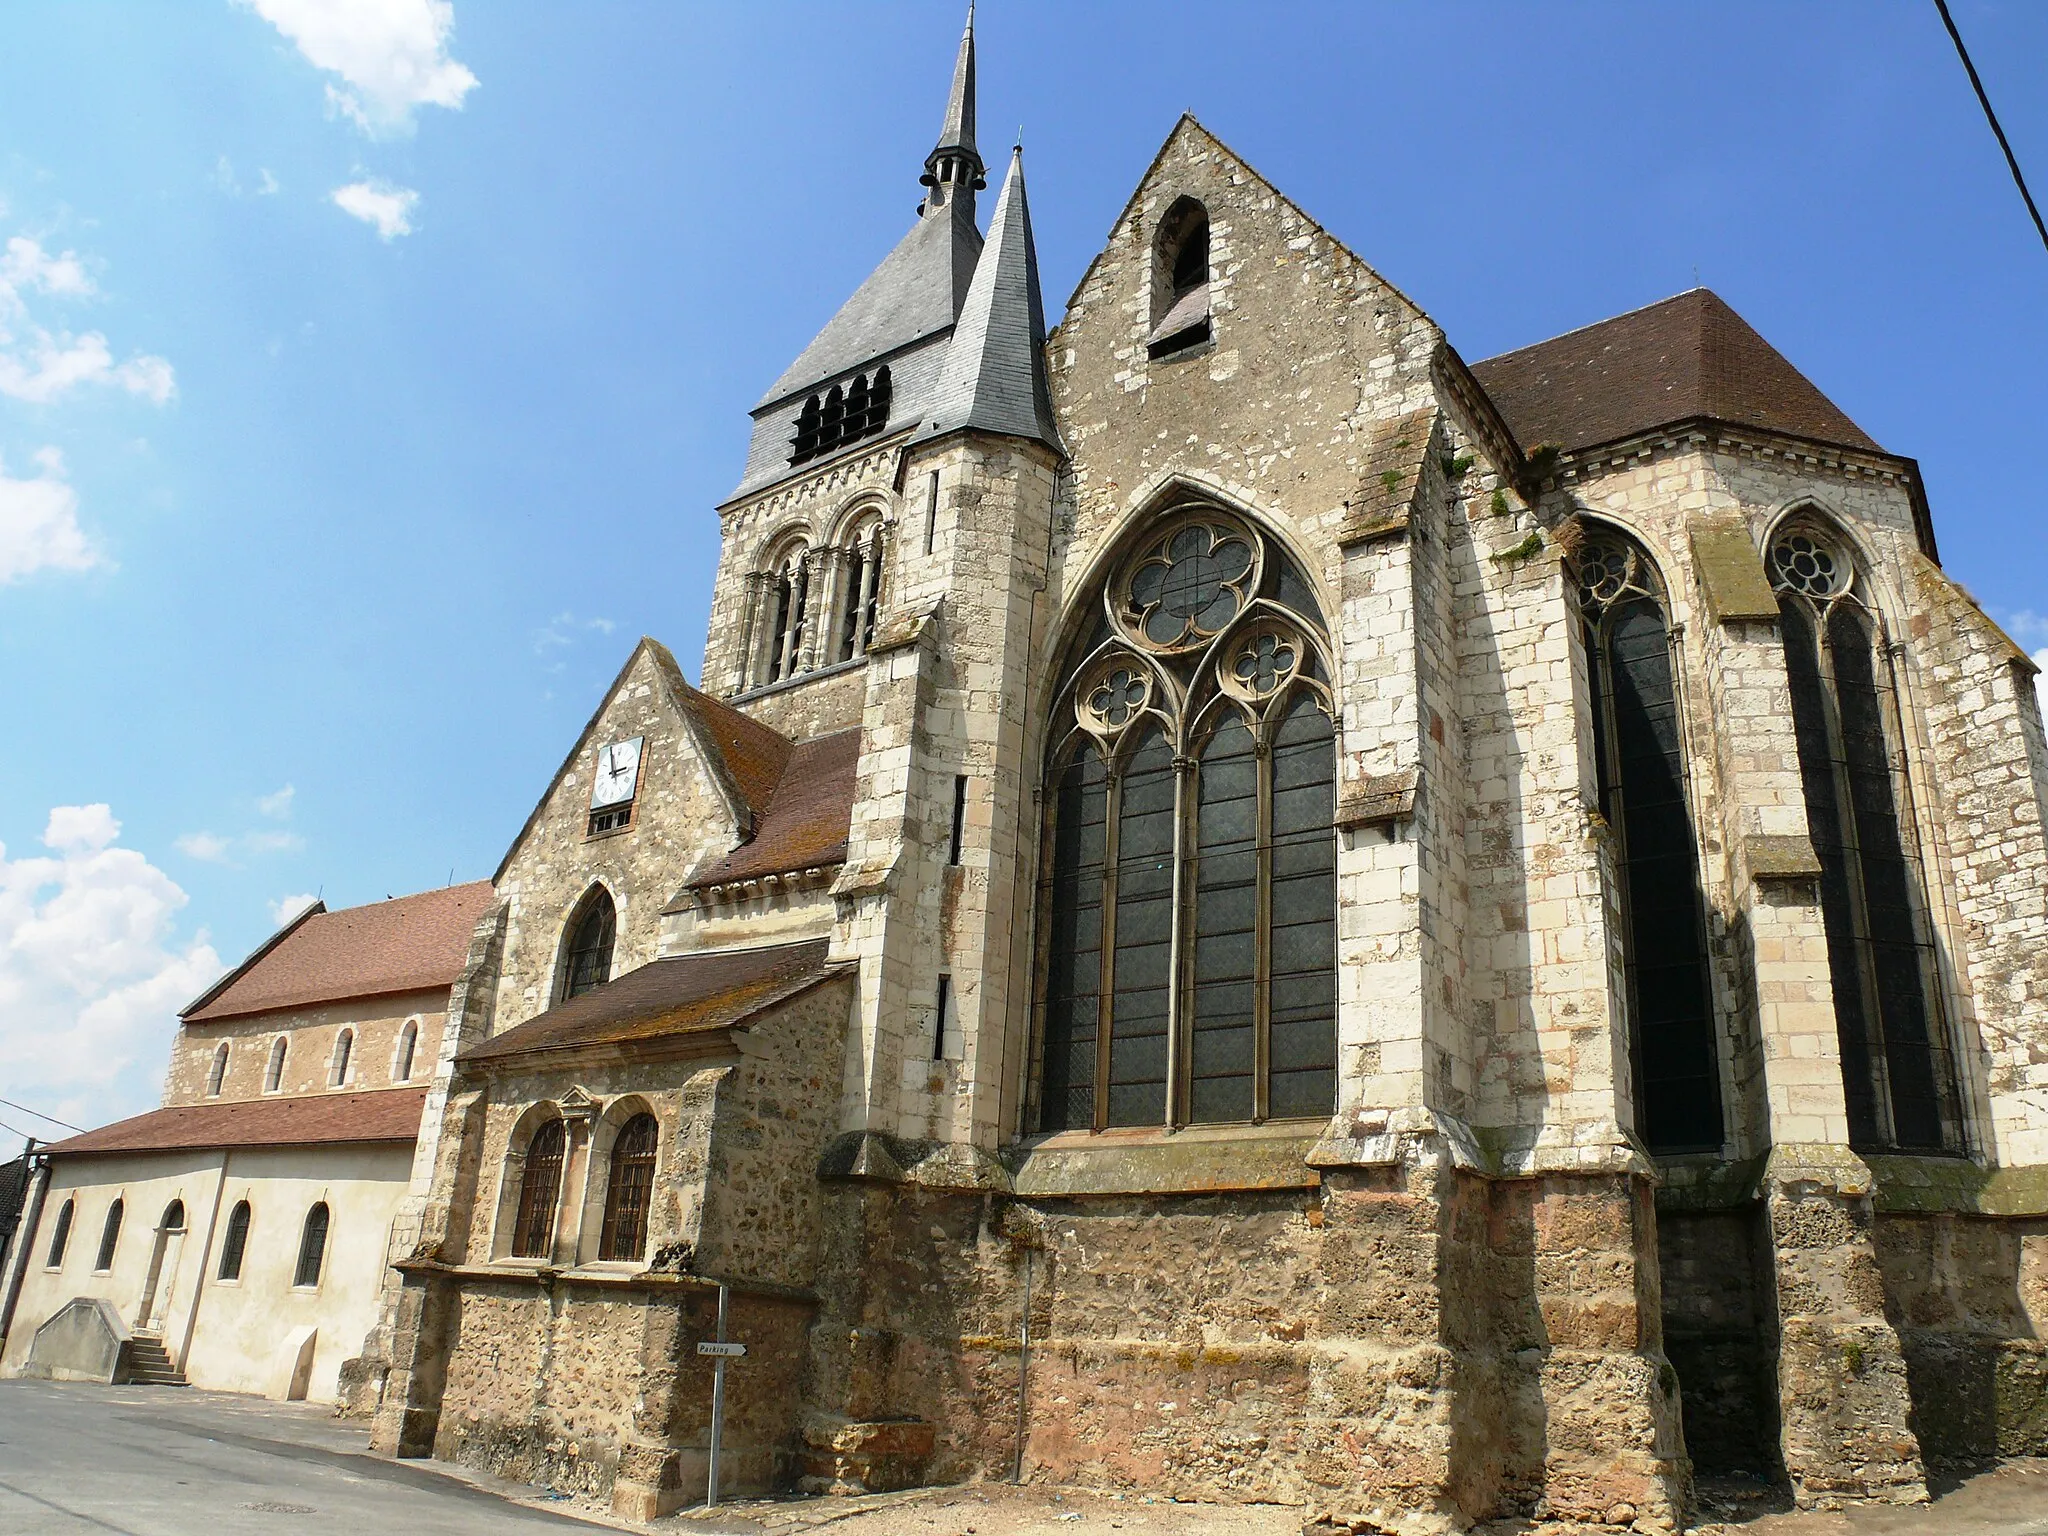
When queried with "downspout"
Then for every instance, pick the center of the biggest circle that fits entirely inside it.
(205, 1262)
(24, 1239)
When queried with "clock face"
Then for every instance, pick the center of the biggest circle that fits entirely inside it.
(618, 773)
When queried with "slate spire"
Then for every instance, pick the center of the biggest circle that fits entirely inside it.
(994, 375)
(953, 170)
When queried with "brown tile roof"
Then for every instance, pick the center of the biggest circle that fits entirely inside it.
(408, 944)
(683, 995)
(1687, 357)
(384, 1114)
(754, 754)
(806, 822)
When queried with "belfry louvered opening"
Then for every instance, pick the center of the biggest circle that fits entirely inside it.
(1180, 281)
(1898, 1066)
(1639, 750)
(1187, 945)
(842, 414)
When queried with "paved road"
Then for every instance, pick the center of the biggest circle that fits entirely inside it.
(82, 1460)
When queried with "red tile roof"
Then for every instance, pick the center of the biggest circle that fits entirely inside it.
(1685, 358)
(806, 821)
(754, 754)
(384, 1114)
(408, 944)
(692, 994)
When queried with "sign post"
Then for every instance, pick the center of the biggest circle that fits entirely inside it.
(720, 1352)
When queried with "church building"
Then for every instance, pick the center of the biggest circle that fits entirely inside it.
(1245, 909)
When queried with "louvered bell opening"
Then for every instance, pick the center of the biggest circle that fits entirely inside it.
(1186, 324)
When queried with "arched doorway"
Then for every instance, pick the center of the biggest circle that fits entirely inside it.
(163, 1270)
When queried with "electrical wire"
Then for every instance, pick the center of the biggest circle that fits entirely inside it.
(2011, 160)
(41, 1116)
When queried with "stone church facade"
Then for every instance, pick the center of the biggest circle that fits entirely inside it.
(1247, 909)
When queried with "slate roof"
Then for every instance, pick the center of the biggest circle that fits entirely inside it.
(806, 822)
(408, 944)
(916, 292)
(957, 132)
(994, 378)
(1684, 358)
(695, 994)
(383, 1114)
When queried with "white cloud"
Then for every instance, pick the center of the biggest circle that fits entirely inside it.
(391, 55)
(378, 203)
(39, 523)
(37, 363)
(285, 908)
(91, 973)
(227, 182)
(203, 846)
(278, 806)
(267, 187)
(272, 842)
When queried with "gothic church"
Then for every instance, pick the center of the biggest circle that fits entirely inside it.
(1247, 909)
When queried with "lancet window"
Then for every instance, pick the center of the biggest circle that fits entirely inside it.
(842, 415)
(787, 608)
(587, 953)
(1898, 1070)
(1180, 282)
(860, 590)
(1639, 751)
(1188, 931)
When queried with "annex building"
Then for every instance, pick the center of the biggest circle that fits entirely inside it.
(1244, 908)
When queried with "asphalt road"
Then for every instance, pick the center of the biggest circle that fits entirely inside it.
(83, 1460)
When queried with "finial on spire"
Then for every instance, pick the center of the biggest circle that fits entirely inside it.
(953, 170)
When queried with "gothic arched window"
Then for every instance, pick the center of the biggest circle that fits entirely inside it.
(60, 1239)
(236, 1243)
(1188, 969)
(587, 955)
(218, 1075)
(312, 1246)
(1180, 281)
(861, 591)
(110, 1237)
(1898, 1072)
(630, 1189)
(1639, 752)
(540, 1188)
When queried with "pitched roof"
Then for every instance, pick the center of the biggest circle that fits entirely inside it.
(1684, 358)
(914, 293)
(994, 378)
(408, 944)
(806, 822)
(753, 754)
(383, 1114)
(696, 994)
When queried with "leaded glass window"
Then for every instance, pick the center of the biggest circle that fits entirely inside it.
(587, 957)
(630, 1189)
(1639, 751)
(1898, 1071)
(540, 1189)
(1188, 905)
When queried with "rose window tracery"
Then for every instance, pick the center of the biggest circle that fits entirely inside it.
(1187, 588)
(1116, 699)
(1804, 563)
(1263, 663)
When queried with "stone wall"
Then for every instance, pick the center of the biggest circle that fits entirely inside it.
(309, 1035)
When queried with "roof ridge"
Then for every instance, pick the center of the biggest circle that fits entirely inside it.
(1592, 325)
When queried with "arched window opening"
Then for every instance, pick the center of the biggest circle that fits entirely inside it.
(860, 597)
(540, 1188)
(1188, 911)
(60, 1239)
(312, 1247)
(110, 1236)
(1180, 281)
(1639, 757)
(273, 1072)
(842, 415)
(1898, 1070)
(788, 600)
(630, 1191)
(408, 1043)
(344, 1050)
(587, 958)
(173, 1217)
(218, 1074)
(236, 1243)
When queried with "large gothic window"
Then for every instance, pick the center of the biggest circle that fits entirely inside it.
(1640, 754)
(1898, 1073)
(1188, 933)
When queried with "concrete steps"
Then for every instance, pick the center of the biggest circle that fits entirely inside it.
(150, 1365)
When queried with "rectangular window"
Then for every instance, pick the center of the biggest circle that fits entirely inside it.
(931, 511)
(959, 818)
(946, 1024)
(613, 818)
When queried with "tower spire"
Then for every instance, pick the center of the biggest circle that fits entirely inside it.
(953, 171)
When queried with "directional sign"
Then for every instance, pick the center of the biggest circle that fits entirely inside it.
(728, 1351)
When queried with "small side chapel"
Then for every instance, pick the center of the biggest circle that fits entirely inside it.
(1248, 910)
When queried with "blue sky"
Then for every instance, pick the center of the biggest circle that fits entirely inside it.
(370, 369)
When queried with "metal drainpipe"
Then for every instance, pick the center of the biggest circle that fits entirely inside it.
(24, 1239)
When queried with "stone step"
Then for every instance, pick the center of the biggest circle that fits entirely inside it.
(149, 1363)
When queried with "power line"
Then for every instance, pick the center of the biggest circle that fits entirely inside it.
(41, 1116)
(2011, 160)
